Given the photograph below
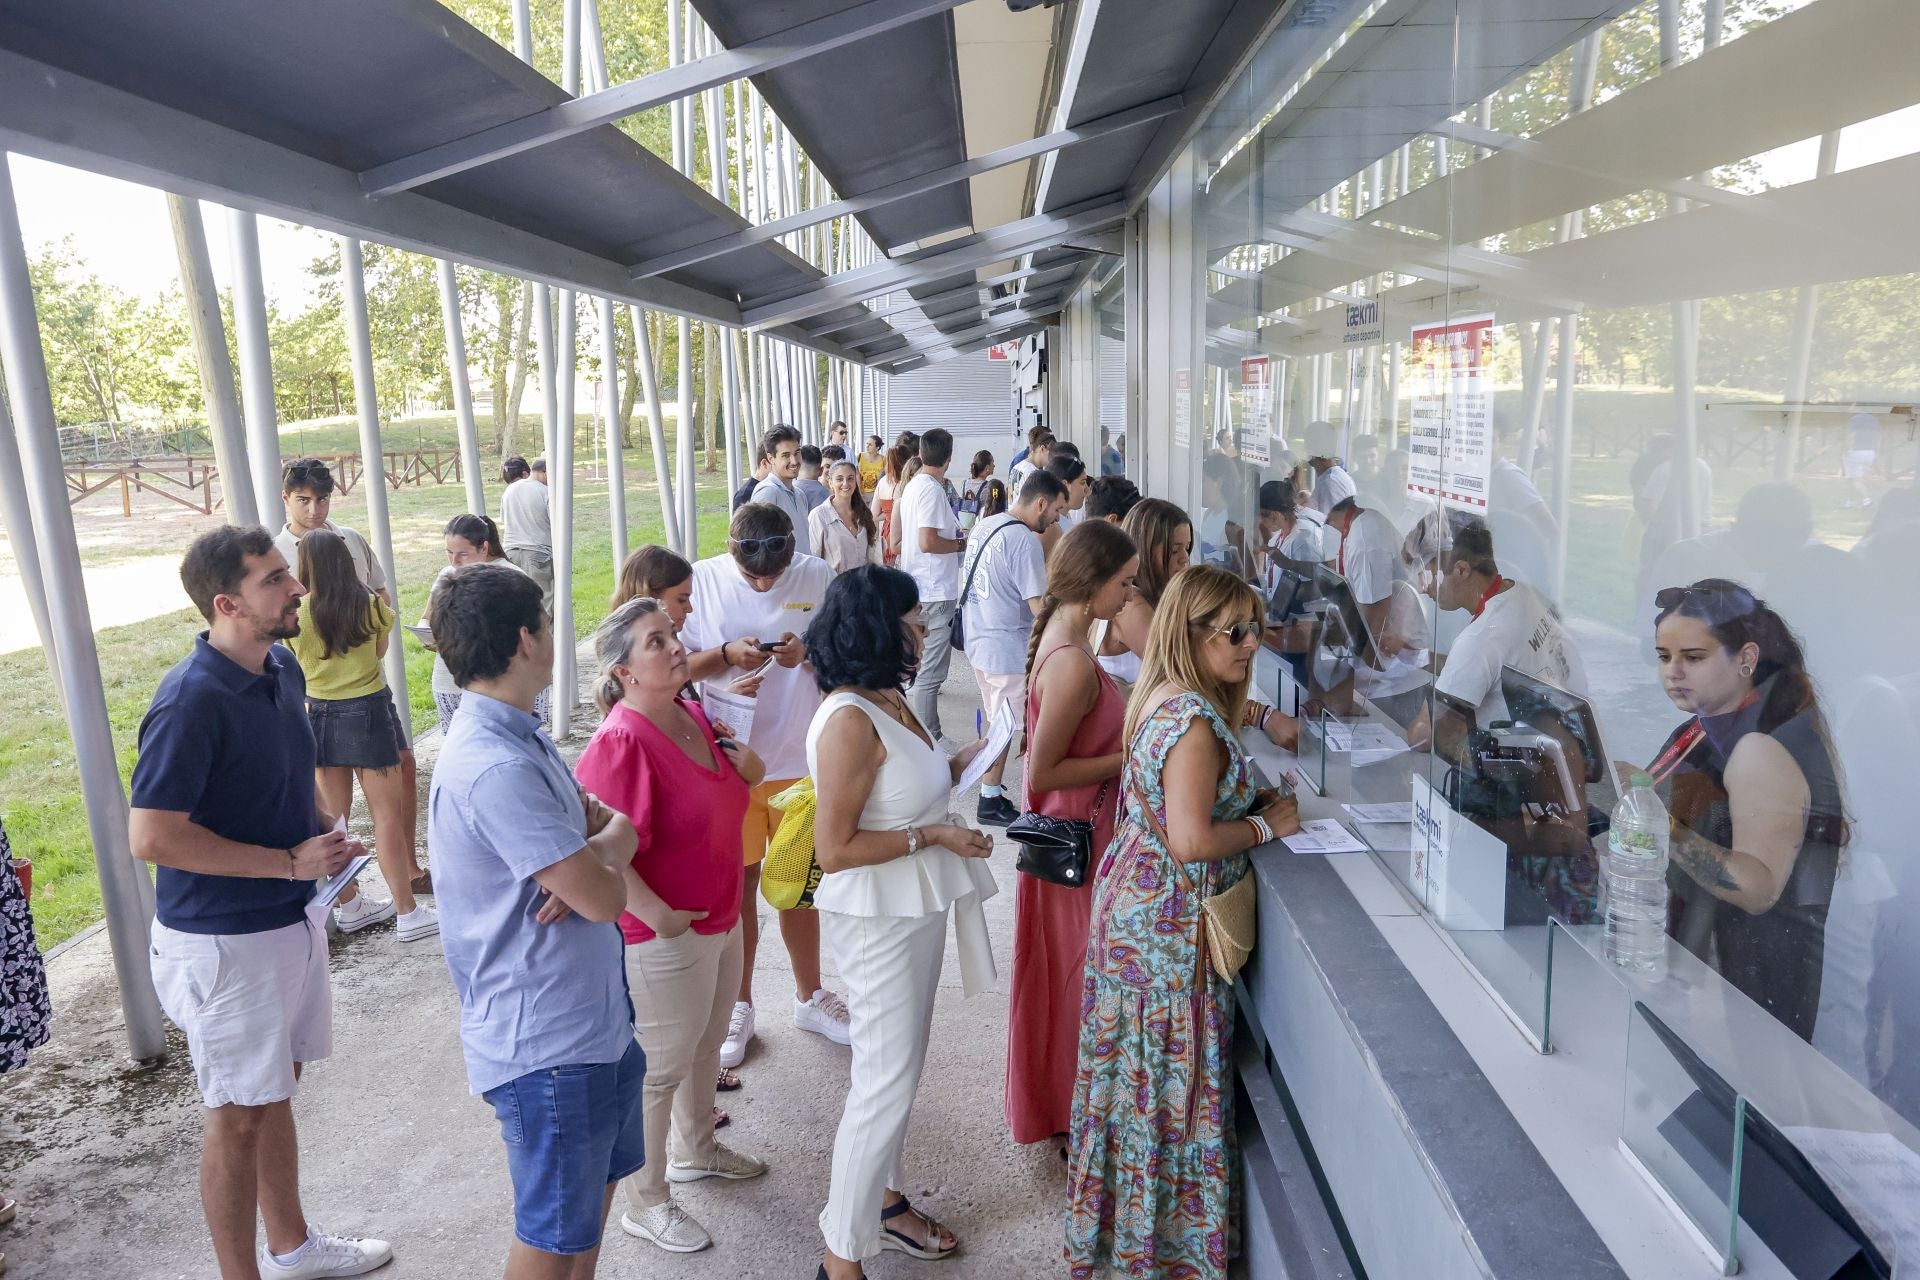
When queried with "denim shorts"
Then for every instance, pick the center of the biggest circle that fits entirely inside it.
(356, 733)
(571, 1132)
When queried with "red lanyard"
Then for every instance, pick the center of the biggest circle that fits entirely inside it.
(1689, 738)
(1492, 591)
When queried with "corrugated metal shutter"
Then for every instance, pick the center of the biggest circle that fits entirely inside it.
(969, 395)
(1112, 378)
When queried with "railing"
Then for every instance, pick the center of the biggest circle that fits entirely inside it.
(188, 481)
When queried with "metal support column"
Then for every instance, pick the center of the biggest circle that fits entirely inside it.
(224, 423)
(462, 392)
(616, 458)
(16, 521)
(256, 362)
(373, 479)
(566, 685)
(1786, 453)
(684, 476)
(126, 891)
(656, 430)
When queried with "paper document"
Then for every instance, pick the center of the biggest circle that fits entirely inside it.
(999, 737)
(1875, 1175)
(734, 710)
(328, 889)
(422, 632)
(1368, 743)
(1401, 812)
(1324, 835)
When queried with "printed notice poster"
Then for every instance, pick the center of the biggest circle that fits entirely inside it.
(1182, 408)
(1365, 326)
(1450, 367)
(1256, 428)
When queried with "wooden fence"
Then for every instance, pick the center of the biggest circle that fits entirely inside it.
(188, 481)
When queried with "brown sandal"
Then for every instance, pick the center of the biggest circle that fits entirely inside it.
(729, 1081)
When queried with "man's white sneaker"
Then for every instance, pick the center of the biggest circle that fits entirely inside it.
(328, 1255)
(733, 1051)
(725, 1162)
(667, 1225)
(421, 922)
(363, 911)
(824, 1015)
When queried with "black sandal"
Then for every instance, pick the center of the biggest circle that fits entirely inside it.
(904, 1243)
(824, 1276)
(729, 1081)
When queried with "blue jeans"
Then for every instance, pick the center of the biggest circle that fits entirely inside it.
(571, 1132)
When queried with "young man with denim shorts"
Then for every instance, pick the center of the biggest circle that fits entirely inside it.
(532, 874)
(223, 803)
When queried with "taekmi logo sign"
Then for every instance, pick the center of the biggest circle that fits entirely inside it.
(1364, 324)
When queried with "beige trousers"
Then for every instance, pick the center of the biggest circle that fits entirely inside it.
(683, 991)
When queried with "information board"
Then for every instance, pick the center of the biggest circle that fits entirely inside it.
(1450, 367)
(1256, 427)
(1182, 408)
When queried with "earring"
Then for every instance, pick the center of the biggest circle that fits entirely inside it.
(631, 680)
(1746, 671)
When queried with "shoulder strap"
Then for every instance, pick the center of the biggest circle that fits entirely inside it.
(966, 592)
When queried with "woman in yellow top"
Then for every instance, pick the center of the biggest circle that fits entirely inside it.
(344, 632)
(873, 465)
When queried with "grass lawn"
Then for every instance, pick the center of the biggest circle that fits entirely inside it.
(44, 815)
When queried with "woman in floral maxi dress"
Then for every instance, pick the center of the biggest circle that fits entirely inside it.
(1153, 1169)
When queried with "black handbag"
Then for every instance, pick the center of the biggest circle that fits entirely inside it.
(1057, 850)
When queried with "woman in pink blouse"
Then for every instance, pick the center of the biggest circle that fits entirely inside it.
(656, 759)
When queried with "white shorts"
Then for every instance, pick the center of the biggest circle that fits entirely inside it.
(996, 690)
(1855, 463)
(251, 1004)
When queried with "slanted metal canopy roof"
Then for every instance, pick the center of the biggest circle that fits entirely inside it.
(277, 107)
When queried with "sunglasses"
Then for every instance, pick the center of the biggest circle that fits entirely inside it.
(1719, 604)
(754, 546)
(1238, 633)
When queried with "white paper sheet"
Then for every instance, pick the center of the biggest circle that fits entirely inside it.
(1401, 812)
(1324, 835)
(1875, 1175)
(1368, 742)
(999, 736)
(329, 888)
(734, 710)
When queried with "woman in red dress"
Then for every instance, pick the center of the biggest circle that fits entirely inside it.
(1075, 713)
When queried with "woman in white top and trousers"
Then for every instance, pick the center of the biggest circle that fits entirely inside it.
(895, 866)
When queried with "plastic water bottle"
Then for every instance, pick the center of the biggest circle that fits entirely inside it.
(1636, 871)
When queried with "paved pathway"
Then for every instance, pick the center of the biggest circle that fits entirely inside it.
(117, 594)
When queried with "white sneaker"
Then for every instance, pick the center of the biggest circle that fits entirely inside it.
(824, 1015)
(363, 911)
(739, 1030)
(421, 922)
(725, 1162)
(326, 1255)
(667, 1225)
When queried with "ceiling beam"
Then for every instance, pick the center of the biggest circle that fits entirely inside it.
(1007, 241)
(577, 115)
(1014, 154)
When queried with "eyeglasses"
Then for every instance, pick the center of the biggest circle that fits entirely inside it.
(754, 546)
(1717, 603)
(1238, 633)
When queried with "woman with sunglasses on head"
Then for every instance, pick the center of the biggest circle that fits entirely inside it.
(759, 586)
(658, 760)
(1152, 1156)
(896, 865)
(1754, 793)
(1073, 719)
(841, 530)
(470, 539)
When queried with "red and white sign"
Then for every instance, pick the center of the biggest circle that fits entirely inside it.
(1256, 424)
(1182, 408)
(1451, 368)
(1002, 351)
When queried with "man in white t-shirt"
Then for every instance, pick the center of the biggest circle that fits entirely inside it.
(1005, 580)
(1368, 557)
(931, 545)
(1331, 483)
(780, 446)
(760, 587)
(1512, 625)
(1036, 458)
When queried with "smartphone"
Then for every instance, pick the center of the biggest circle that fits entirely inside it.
(767, 646)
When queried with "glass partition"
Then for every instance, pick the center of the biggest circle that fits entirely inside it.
(1556, 384)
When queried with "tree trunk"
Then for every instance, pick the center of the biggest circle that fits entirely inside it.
(709, 401)
(522, 348)
(629, 395)
(338, 409)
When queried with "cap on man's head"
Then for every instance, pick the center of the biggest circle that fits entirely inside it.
(1323, 441)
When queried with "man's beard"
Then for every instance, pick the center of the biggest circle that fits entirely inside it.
(285, 627)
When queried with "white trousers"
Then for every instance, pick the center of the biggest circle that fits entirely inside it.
(683, 991)
(891, 966)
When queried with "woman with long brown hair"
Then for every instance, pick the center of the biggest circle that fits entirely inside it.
(1074, 716)
(1151, 1155)
(469, 539)
(905, 449)
(841, 530)
(1163, 535)
(1750, 779)
(344, 631)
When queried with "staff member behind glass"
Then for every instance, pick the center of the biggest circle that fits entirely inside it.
(896, 867)
(656, 759)
(224, 805)
(1754, 794)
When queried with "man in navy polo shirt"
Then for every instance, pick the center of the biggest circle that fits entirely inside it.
(532, 875)
(223, 803)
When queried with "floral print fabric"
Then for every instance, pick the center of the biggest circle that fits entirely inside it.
(1153, 1171)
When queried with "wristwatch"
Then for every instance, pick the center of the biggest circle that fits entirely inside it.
(913, 841)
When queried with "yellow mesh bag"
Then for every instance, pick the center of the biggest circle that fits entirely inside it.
(789, 875)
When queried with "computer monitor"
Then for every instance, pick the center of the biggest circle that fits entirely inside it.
(1335, 591)
(1532, 701)
(1288, 595)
